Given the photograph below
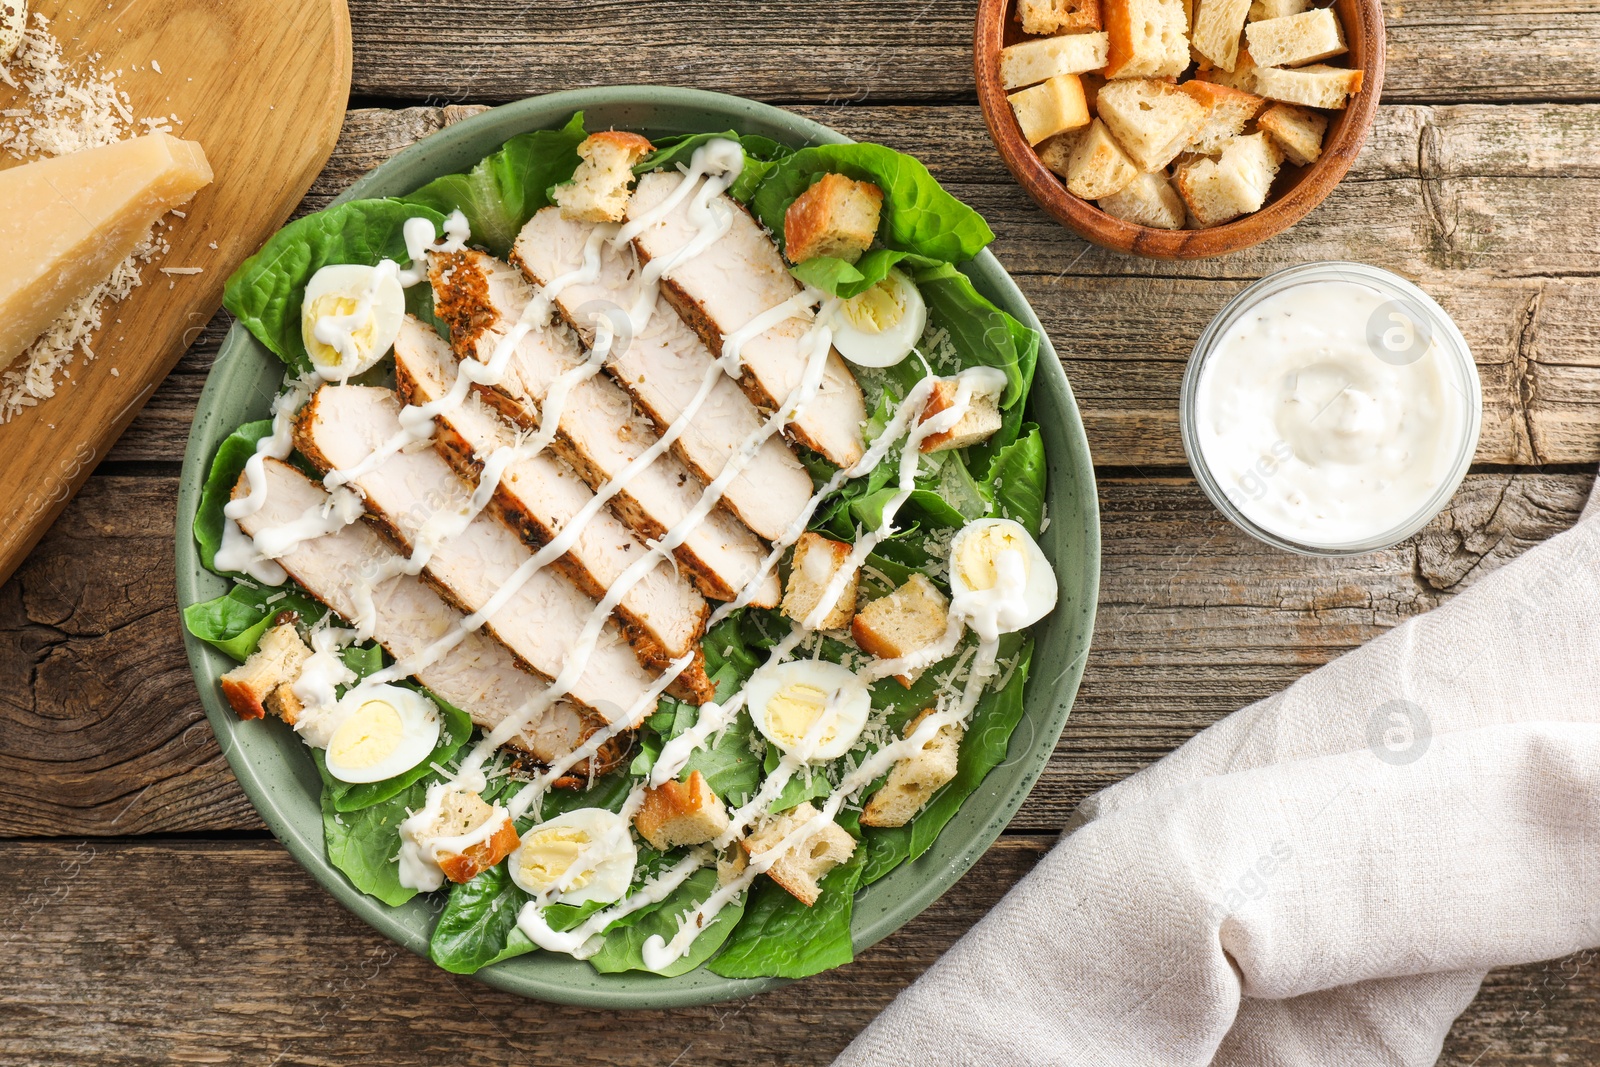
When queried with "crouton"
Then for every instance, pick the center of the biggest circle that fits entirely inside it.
(1051, 107)
(1098, 165)
(837, 216)
(800, 868)
(980, 421)
(1152, 120)
(1298, 132)
(464, 812)
(1217, 28)
(914, 780)
(1092, 83)
(1149, 200)
(1218, 191)
(1318, 85)
(1230, 111)
(265, 681)
(1242, 77)
(681, 813)
(600, 187)
(912, 617)
(816, 560)
(1058, 16)
(1296, 40)
(1031, 62)
(1148, 38)
(1277, 9)
(1056, 153)
(731, 864)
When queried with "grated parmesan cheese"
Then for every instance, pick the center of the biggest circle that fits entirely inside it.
(69, 109)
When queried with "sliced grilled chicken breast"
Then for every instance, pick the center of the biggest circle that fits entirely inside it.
(478, 675)
(417, 498)
(663, 368)
(482, 299)
(724, 288)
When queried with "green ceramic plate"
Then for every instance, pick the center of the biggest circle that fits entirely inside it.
(281, 781)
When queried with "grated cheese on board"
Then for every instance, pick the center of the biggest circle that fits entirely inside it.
(69, 108)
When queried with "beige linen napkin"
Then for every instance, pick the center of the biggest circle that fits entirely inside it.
(1321, 878)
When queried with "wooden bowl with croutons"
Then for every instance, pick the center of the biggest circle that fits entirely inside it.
(1222, 124)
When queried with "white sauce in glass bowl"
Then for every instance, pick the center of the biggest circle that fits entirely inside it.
(1329, 415)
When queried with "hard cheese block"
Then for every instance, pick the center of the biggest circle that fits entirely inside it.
(70, 219)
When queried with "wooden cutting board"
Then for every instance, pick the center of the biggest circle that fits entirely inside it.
(262, 85)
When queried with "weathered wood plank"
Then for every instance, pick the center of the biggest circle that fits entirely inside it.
(1507, 245)
(855, 51)
(250, 961)
(102, 731)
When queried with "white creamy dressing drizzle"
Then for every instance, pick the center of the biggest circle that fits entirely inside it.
(714, 167)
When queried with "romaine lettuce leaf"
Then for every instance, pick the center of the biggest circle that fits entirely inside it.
(918, 214)
(1016, 481)
(235, 450)
(759, 153)
(501, 193)
(838, 278)
(266, 292)
(780, 937)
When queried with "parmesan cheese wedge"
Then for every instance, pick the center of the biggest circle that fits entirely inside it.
(68, 220)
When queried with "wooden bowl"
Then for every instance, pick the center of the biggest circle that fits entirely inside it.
(1296, 192)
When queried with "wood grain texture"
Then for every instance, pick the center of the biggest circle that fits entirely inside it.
(253, 963)
(454, 51)
(101, 730)
(1426, 198)
(262, 90)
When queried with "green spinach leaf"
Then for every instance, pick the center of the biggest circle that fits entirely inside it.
(235, 621)
(479, 924)
(780, 937)
(235, 450)
(624, 944)
(363, 844)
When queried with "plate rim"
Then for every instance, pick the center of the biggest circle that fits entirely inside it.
(950, 857)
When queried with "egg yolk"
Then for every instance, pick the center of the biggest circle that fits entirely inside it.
(338, 307)
(547, 856)
(980, 556)
(794, 709)
(877, 309)
(370, 734)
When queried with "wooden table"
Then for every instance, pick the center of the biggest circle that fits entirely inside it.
(150, 919)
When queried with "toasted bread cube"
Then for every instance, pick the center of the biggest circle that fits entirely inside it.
(1221, 190)
(1231, 110)
(1058, 16)
(1098, 165)
(837, 216)
(980, 421)
(1149, 200)
(816, 560)
(912, 617)
(463, 812)
(731, 864)
(1051, 107)
(1031, 62)
(600, 187)
(1056, 153)
(914, 780)
(800, 868)
(1277, 9)
(1148, 38)
(681, 813)
(1298, 132)
(1217, 27)
(1242, 77)
(1318, 85)
(1152, 120)
(265, 682)
(1297, 40)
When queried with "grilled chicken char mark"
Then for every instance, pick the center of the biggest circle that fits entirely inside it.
(663, 367)
(481, 299)
(414, 495)
(723, 289)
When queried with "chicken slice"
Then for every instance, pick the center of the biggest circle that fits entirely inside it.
(482, 299)
(724, 288)
(663, 368)
(478, 675)
(416, 498)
